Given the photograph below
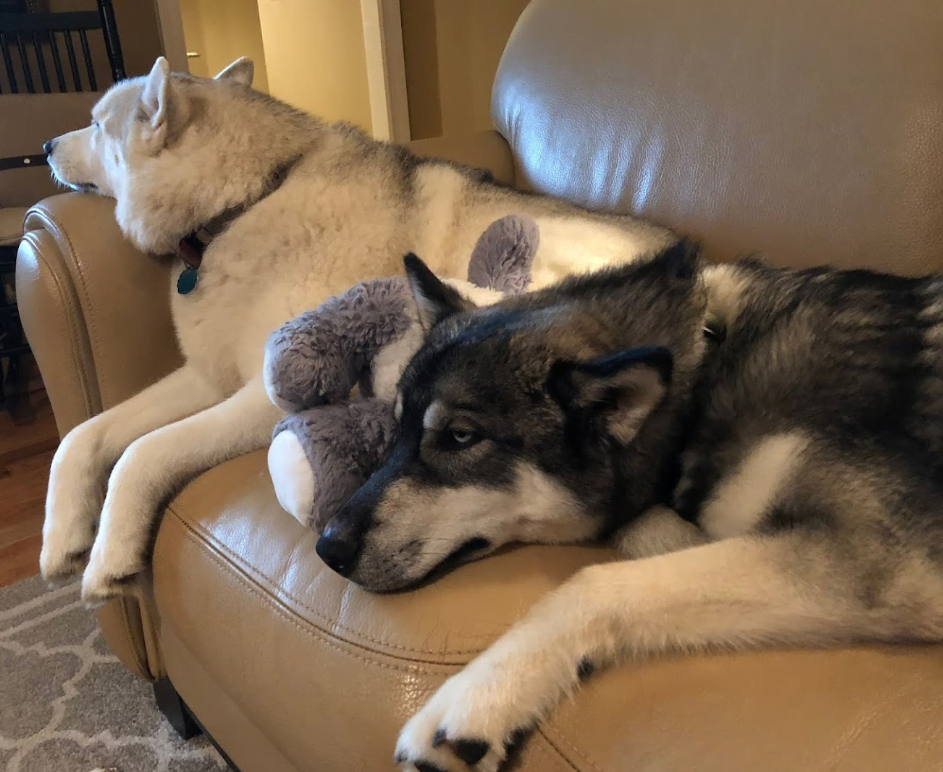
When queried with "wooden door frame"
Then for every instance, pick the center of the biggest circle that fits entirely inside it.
(170, 24)
(383, 46)
(386, 69)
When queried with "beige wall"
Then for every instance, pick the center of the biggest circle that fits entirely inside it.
(222, 31)
(452, 49)
(315, 56)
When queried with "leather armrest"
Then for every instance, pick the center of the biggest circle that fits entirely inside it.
(112, 299)
(96, 315)
(481, 149)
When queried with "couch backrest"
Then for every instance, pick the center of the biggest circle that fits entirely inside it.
(809, 130)
(26, 122)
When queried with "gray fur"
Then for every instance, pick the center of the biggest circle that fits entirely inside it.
(345, 443)
(320, 355)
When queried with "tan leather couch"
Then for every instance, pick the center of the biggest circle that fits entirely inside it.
(810, 130)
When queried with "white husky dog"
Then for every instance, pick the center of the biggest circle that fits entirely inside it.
(310, 209)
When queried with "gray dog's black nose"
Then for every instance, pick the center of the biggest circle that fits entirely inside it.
(338, 548)
(49, 147)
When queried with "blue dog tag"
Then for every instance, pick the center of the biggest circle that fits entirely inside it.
(187, 280)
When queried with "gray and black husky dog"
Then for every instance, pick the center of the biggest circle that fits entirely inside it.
(765, 444)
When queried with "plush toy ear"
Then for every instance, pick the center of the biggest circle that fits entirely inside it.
(160, 106)
(504, 254)
(622, 388)
(241, 71)
(434, 299)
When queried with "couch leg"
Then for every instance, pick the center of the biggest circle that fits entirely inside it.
(175, 710)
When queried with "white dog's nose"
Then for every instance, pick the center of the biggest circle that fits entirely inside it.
(49, 146)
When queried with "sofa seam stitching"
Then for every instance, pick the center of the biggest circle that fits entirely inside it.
(543, 733)
(74, 347)
(316, 631)
(319, 614)
(87, 306)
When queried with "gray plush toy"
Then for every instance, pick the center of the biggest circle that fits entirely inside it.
(329, 444)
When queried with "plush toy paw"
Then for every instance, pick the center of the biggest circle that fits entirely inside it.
(320, 457)
(319, 356)
(291, 473)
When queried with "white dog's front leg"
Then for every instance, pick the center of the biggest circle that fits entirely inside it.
(86, 455)
(154, 467)
(730, 593)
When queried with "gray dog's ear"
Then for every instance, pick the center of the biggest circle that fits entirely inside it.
(434, 299)
(622, 388)
(162, 110)
(241, 71)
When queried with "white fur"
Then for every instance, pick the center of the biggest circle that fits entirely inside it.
(174, 153)
(432, 415)
(744, 497)
(725, 286)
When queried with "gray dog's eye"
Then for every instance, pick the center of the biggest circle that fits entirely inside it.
(459, 439)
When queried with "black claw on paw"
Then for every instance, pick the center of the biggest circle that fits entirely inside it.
(516, 736)
(515, 741)
(425, 766)
(438, 738)
(400, 757)
(471, 751)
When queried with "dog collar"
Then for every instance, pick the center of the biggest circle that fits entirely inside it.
(191, 247)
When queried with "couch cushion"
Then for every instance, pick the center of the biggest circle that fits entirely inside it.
(328, 673)
(811, 131)
(11, 225)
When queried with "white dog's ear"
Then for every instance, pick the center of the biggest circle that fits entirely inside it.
(435, 300)
(620, 389)
(242, 71)
(157, 104)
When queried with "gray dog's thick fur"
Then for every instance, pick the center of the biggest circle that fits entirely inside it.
(780, 483)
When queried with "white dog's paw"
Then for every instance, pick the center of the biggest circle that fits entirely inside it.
(470, 723)
(68, 535)
(63, 556)
(110, 574)
(73, 502)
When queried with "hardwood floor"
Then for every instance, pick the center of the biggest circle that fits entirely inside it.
(25, 455)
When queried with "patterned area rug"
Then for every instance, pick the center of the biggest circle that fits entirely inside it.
(68, 705)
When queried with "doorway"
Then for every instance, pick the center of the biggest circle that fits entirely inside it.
(216, 32)
(341, 60)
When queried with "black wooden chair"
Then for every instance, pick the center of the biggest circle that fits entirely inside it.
(29, 42)
(39, 55)
(13, 344)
